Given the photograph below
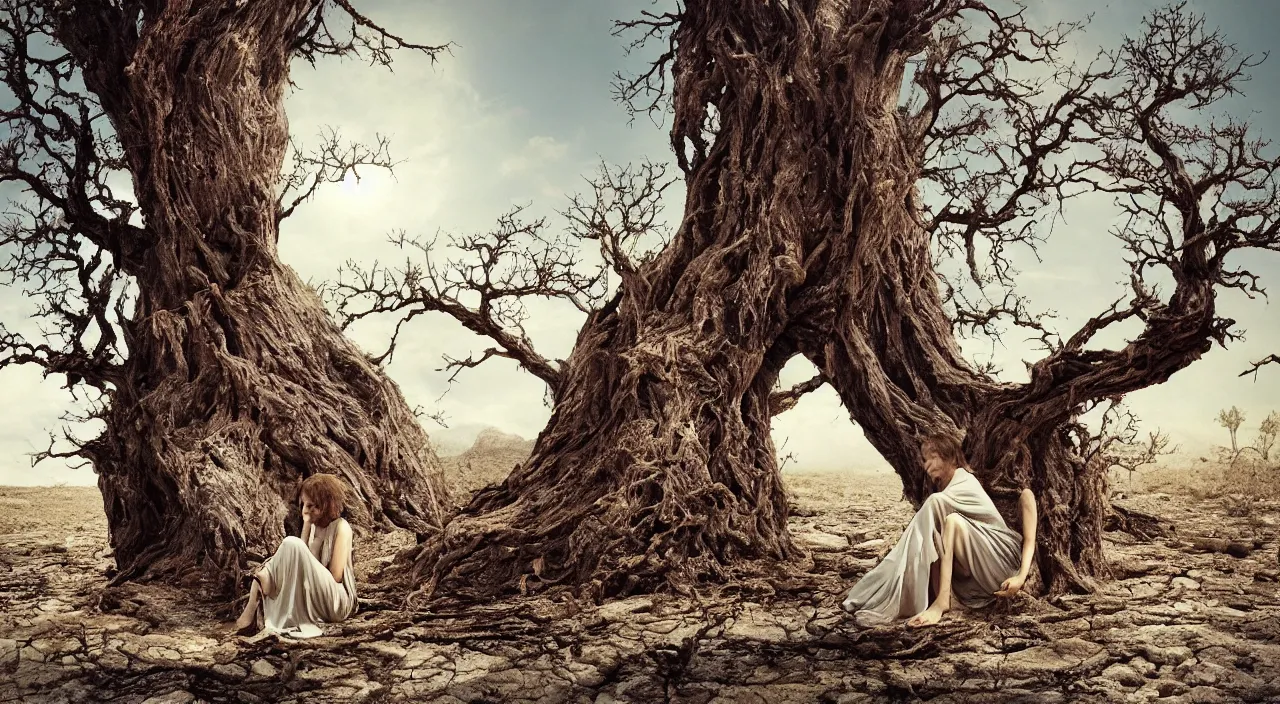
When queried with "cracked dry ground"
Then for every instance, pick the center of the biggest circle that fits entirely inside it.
(1178, 624)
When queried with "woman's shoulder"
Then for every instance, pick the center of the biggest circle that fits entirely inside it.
(338, 526)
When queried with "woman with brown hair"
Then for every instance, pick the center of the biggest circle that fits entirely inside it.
(310, 580)
(957, 543)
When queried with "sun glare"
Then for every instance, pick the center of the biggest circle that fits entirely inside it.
(352, 183)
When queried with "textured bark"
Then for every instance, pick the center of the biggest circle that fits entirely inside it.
(889, 351)
(887, 347)
(656, 469)
(236, 383)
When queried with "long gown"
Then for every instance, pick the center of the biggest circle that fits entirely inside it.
(306, 594)
(899, 585)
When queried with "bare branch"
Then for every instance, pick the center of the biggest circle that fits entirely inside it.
(330, 162)
(362, 37)
(67, 234)
(783, 401)
(623, 211)
(785, 459)
(992, 138)
(971, 317)
(1116, 445)
(647, 92)
(483, 290)
(1143, 304)
(1253, 369)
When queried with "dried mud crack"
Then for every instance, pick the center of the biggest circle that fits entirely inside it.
(1178, 624)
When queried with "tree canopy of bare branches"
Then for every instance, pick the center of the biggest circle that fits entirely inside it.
(830, 215)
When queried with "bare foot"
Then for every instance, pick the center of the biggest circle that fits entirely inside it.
(244, 625)
(929, 617)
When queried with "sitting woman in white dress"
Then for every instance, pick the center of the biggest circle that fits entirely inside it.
(957, 544)
(310, 580)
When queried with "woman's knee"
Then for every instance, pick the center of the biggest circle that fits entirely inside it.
(291, 543)
(954, 528)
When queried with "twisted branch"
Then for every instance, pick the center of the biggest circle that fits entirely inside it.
(783, 401)
(498, 270)
(362, 38)
(1253, 369)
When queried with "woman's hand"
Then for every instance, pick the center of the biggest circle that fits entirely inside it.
(1012, 585)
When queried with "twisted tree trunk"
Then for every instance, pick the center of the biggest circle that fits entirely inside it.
(657, 469)
(236, 383)
(879, 333)
(881, 336)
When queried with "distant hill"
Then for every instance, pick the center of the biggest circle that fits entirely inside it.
(455, 439)
(489, 459)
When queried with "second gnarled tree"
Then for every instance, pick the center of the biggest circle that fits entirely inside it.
(818, 199)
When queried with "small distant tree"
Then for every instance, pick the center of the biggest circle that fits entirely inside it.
(1246, 470)
(1118, 445)
(1231, 419)
(1267, 433)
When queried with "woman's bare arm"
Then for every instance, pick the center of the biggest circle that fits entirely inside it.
(306, 531)
(1030, 517)
(341, 551)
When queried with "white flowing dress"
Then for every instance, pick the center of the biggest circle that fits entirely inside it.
(306, 594)
(899, 585)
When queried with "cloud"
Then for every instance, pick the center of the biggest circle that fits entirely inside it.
(538, 152)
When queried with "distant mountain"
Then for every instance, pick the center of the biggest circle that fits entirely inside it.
(489, 459)
(456, 439)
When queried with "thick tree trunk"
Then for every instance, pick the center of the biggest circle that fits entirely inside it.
(237, 384)
(657, 469)
(878, 331)
(1039, 454)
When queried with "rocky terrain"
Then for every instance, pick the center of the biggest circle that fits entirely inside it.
(489, 459)
(1193, 616)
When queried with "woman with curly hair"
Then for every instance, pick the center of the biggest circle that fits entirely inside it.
(310, 580)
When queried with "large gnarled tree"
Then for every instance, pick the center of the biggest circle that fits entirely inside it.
(657, 468)
(217, 373)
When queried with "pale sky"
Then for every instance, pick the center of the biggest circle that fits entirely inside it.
(521, 111)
